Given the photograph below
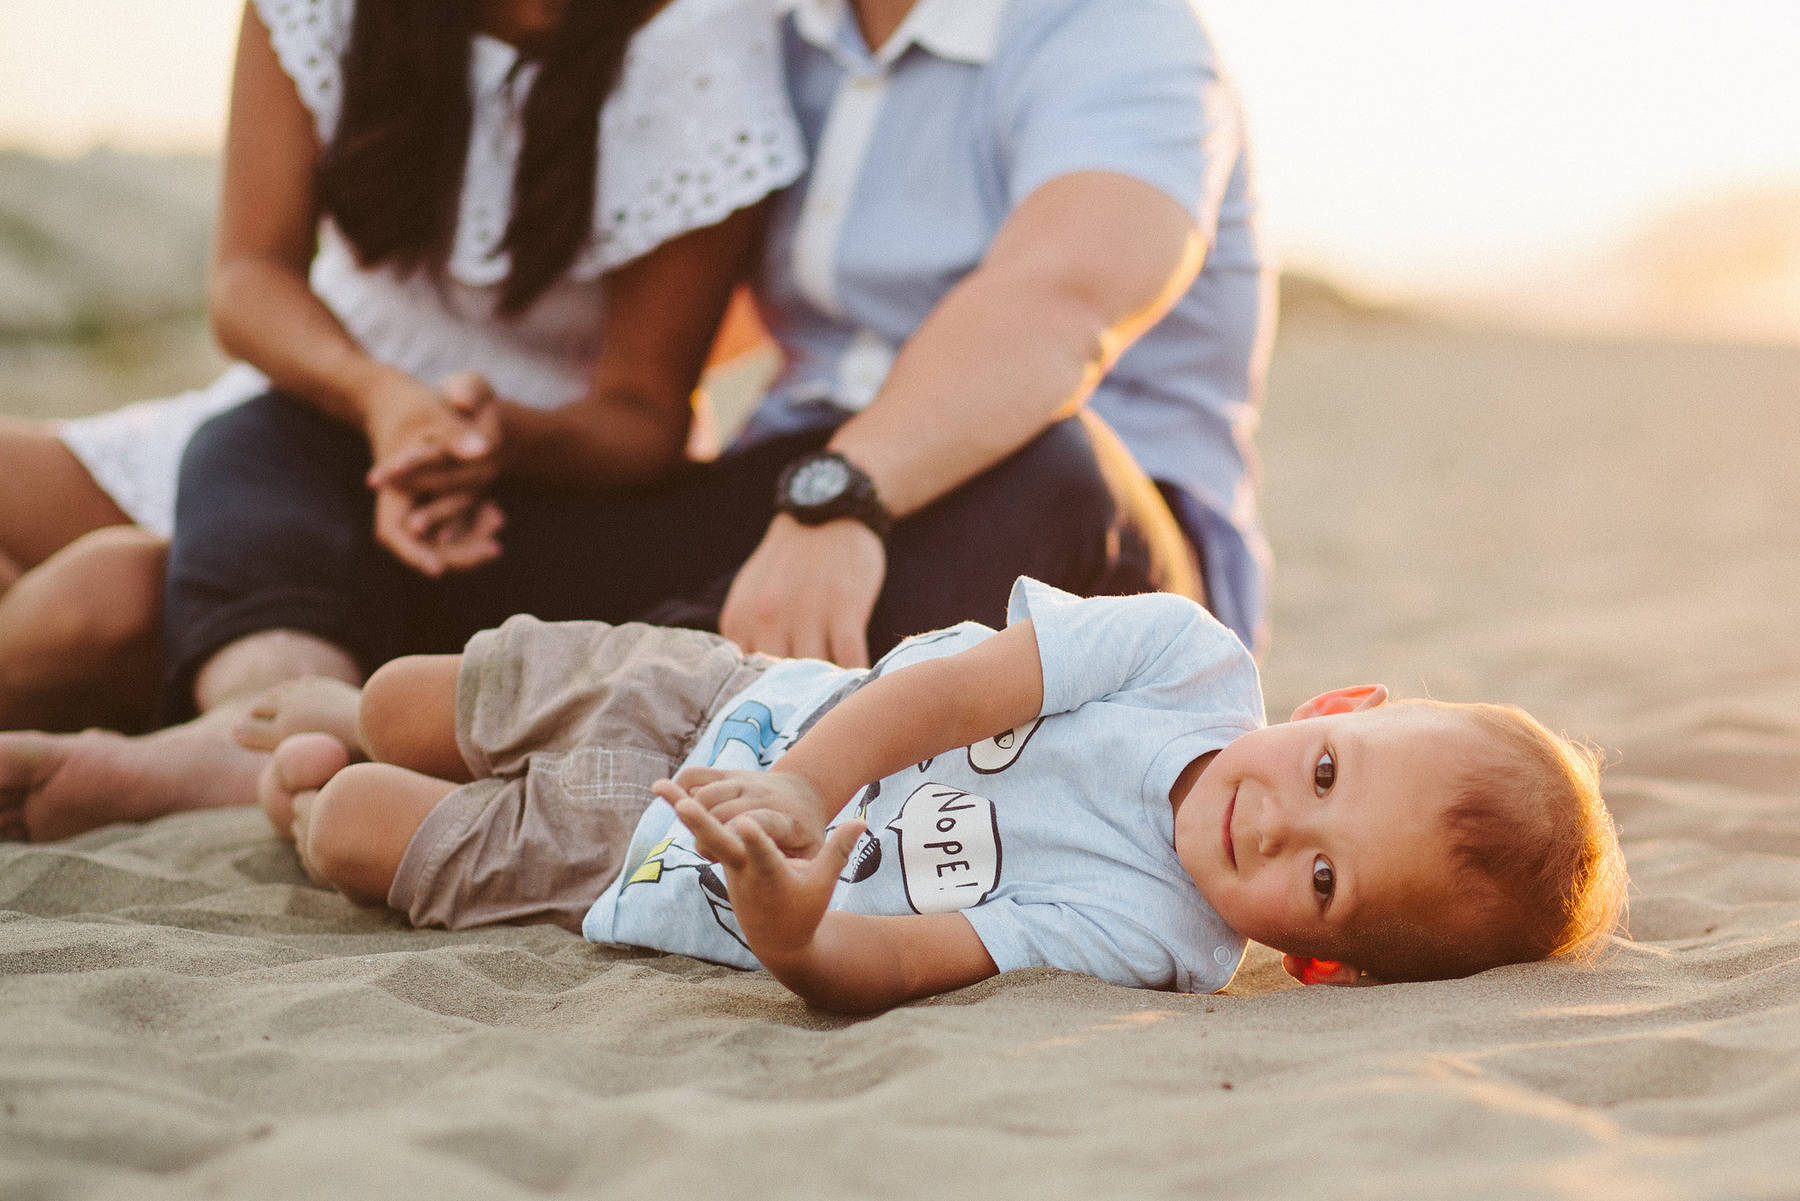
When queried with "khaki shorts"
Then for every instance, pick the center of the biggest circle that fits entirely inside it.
(565, 726)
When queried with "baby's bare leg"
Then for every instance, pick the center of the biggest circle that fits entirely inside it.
(408, 716)
(353, 832)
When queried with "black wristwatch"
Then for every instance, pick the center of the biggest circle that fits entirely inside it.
(825, 486)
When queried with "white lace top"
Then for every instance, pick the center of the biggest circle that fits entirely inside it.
(697, 127)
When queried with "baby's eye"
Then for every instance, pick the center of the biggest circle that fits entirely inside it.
(1324, 879)
(1324, 774)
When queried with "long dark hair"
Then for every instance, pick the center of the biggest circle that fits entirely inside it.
(392, 175)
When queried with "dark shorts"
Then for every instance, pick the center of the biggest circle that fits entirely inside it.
(273, 529)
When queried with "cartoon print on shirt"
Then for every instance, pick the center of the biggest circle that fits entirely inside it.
(669, 857)
(950, 861)
(865, 857)
(750, 727)
(1000, 752)
(949, 848)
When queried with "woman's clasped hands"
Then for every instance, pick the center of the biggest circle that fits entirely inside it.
(436, 454)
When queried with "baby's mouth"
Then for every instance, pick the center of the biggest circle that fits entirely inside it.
(1225, 834)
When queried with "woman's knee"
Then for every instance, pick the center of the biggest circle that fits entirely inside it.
(114, 575)
(98, 595)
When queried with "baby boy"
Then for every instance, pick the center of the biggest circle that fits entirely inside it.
(868, 838)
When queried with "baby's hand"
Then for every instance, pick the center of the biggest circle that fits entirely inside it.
(778, 900)
(785, 805)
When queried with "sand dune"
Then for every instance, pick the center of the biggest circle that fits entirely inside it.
(1607, 533)
(100, 241)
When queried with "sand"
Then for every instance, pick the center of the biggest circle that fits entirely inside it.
(1608, 534)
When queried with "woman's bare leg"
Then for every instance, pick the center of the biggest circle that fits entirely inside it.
(47, 498)
(79, 638)
(55, 785)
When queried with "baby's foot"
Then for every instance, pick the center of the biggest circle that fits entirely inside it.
(312, 704)
(299, 767)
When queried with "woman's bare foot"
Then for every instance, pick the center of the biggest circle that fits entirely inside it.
(300, 766)
(56, 785)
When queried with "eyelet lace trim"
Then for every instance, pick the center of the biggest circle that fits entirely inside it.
(698, 126)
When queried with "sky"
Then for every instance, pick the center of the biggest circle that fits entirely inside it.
(1408, 145)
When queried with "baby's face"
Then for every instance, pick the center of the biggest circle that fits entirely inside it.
(1297, 832)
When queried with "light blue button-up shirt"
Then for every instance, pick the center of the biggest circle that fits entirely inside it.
(921, 151)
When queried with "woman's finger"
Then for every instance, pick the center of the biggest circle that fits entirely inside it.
(471, 542)
(391, 510)
(410, 457)
(425, 518)
(468, 392)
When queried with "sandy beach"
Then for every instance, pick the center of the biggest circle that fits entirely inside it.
(1605, 532)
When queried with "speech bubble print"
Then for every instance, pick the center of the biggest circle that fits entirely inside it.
(999, 752)
(949, 848)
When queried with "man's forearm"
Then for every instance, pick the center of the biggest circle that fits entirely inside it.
(1081, 268)
(987, 371)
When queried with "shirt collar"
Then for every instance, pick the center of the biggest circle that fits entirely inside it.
(961, 30)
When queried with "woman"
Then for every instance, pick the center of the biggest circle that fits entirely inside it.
(77, 637)
(1017, 206)
(491, 235)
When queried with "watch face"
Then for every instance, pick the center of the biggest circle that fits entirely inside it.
(818, 481)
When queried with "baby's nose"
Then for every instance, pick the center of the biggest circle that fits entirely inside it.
(1273, 828)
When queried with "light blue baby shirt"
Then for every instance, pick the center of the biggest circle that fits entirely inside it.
(1055, 840)
(919, 154)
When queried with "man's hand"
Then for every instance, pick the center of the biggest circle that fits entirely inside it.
(778, 901)
(808, 591)
(784, 804)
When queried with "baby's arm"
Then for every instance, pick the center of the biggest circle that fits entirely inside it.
(892, 722)
(849, 962)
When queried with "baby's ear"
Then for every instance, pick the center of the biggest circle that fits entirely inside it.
(1342, 700)
(1320, 971)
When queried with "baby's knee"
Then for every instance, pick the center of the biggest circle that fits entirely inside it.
(408, 706)
(339, 836)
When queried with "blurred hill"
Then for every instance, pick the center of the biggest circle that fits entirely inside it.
(98, 244)
(1724, 268)
(101, 242)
